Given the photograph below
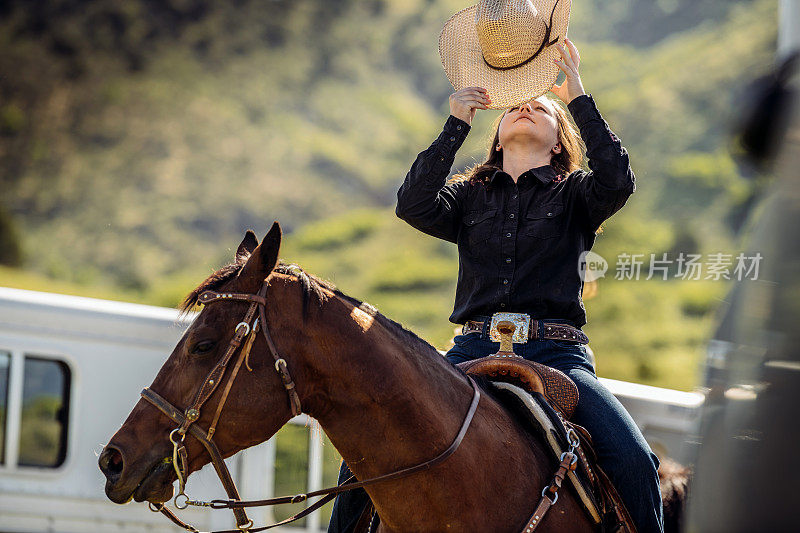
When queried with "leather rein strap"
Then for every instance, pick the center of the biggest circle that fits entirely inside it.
(246, 332)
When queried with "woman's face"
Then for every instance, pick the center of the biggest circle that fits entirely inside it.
(533, 122)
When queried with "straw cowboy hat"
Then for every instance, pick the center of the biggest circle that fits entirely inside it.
(505, 46)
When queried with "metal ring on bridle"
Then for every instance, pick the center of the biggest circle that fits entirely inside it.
(246, 327)
(280, 363)
(171, 433)
(573, 438)
(552, 500)
(178, 505)
(155, 507)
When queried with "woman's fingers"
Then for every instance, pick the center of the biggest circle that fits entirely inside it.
(563, 66)
(471, 100)
(477, 96)
(475, 103)
(474, 93)
(566, 57)
(573, 52)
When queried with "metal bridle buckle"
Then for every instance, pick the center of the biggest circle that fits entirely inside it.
(280, 365)
(574, 460)
(246, 327)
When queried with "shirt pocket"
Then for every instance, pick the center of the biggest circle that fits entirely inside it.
(545, 221)
(477, 226)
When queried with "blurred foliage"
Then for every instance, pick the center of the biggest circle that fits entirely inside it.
(141, 139)
(291, 468)
(40, 432)
(10, 247)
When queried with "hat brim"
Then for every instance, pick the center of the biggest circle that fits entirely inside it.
(464, 65)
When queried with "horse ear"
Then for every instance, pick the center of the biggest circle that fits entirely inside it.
(247, 246)
(270, 247)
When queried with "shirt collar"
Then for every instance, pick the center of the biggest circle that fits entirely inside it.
(544, 174)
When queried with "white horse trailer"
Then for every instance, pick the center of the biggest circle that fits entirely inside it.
(71, 369)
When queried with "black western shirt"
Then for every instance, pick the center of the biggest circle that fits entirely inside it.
(519, 244)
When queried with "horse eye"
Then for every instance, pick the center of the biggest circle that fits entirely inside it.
(202, 347)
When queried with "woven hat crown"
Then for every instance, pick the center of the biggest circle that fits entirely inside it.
(505, 46)
(509, 31)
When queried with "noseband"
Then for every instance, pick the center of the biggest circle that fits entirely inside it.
(246, 331)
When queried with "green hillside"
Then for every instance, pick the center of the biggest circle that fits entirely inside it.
(139, 139)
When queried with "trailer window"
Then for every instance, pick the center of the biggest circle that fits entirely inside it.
(45, 409)
(5, 363)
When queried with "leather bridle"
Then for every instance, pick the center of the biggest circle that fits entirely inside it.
(246, 331)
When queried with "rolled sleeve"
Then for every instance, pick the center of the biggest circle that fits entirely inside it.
(606, 188)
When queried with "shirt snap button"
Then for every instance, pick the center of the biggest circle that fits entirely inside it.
(511, 215)
(452, 139)
(458, 127)
(505, 282)
(508, 234)
(549, 214)
(508, 259)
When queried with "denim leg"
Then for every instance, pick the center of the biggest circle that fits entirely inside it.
(348, 506)
(622, 451)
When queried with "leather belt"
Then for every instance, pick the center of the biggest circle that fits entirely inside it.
(549, 330)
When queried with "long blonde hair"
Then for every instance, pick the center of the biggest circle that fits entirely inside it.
(565, 162)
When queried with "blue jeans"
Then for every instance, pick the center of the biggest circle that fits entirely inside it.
(621, 449)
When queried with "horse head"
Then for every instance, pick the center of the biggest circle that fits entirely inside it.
(138, 461)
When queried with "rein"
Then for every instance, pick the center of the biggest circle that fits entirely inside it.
(246, 331)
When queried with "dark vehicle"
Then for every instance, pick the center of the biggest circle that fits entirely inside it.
(747, 464)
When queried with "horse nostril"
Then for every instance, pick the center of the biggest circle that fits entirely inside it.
(111, 463)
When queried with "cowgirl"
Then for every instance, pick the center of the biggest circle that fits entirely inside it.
(521, 220)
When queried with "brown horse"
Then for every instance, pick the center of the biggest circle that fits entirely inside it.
(386, 399)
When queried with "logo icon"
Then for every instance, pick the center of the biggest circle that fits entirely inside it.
(591, 266)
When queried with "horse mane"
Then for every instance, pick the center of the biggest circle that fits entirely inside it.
(313, 291)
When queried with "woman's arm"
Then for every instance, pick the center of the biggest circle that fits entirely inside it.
(424, 200)
(603, 191)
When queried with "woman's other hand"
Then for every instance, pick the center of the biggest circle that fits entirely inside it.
(572, 87)
(464, 102)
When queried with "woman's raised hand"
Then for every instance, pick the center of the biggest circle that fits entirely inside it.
(572, 87)
(464, 102)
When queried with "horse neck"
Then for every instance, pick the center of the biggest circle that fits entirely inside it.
(368, 384)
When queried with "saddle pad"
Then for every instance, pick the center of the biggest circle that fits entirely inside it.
(542, 416)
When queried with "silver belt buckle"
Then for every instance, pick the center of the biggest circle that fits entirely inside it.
(522, 321)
